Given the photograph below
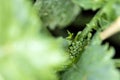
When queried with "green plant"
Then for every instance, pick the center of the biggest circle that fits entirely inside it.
(29, 51)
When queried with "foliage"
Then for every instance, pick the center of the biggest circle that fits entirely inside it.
(28, 50)
(56, 12)
(94, 64)
(80, 69)
(26, 53)
(90, 4)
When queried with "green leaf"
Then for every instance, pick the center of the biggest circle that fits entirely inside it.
(102, 19)
(94, 64)
(25, 52)
(56, 12)
(17, 19)
(90, 4)
(85, 69)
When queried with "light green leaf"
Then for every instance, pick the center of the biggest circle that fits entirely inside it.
(56, 12)
(17, 19)
(25, 52)
(90, 4)
(94, 64)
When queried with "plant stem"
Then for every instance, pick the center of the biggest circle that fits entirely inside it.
(114, 28)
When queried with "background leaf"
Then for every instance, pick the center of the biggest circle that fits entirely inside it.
(25, 52)
(56, 12)
(90, 4)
